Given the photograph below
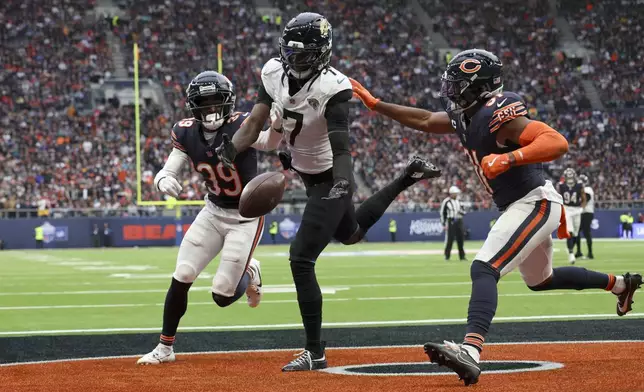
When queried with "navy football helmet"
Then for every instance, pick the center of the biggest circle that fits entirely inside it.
(471, 78)
(210, 99)
(305, 45)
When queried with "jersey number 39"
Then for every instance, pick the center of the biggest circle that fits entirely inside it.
(220, 173)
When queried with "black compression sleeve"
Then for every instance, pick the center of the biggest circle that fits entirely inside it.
(337, 118)
(262, 95)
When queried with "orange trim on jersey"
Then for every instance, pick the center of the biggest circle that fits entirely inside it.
(524, 234)
(175, 142)
(258, 237)
(507, 113)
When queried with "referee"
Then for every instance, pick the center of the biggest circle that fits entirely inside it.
(587, 215)
(452, 220)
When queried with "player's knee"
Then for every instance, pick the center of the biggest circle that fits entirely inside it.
(222, 301)
(185, 273)
(223, 287)
(542, 286)
(356, 237)
(480, 269)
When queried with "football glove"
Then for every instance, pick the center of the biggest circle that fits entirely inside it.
(170, 186)
(363, 94)
(495, 164)
(226, 152)
(276, 118)
(339, 190)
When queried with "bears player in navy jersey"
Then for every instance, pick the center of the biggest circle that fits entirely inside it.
(311, 100)
(572, 191)
(506, 149)
(218, 228)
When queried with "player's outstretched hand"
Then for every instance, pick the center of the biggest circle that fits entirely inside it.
(363, 94)
(339, 190)
(495, 164)
(170, 186)
(226, 152)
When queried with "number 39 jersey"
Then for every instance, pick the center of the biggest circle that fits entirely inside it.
(224, 185)
(303, 121)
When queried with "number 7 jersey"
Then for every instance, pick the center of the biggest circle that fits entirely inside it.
(303, 114)
(224, 185)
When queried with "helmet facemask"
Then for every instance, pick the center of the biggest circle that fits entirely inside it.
(302, 63)
(457, 96)
(212, 109)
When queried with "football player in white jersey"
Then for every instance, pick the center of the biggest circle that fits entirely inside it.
(313, 100)
(587, 215)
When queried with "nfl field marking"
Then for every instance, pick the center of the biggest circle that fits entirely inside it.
(282, 301)
(223, 352)
(327, 324)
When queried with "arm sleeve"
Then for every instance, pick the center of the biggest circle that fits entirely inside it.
(268, 140)
(172, 167)
(337, 118)
(263, 96)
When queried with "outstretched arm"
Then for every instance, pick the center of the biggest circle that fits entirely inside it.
(419, 119)
(540, 143)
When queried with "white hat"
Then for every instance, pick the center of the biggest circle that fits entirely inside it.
(454, 189)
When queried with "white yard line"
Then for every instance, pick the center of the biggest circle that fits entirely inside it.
(331, 324)
(282, 301)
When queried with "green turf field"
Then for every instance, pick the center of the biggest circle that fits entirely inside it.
(121, 290)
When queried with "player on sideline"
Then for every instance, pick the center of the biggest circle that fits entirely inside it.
(313, 100)
(587, 215)
(506, 149)
(574, 201)
(218, 227)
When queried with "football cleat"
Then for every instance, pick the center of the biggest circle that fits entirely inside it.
(306, 361)
(420, 169)
(571, 258)
(160, 354)
(254, 290)
(625, 299)
(456, 358)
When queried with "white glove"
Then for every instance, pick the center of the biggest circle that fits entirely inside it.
(276, 117)
(170, 186)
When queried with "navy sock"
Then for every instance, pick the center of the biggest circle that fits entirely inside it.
(176, 303)
(483, 302)
(576, 278)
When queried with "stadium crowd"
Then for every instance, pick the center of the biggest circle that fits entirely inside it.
(59, 152)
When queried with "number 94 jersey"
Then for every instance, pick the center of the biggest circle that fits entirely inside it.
(303, 114)
(224, 185)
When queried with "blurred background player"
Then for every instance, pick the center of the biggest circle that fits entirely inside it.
(451, 215)
(627, 225)
(218, 227)
(507, 150)
(312, 100)
(587, 216)
(574, 199)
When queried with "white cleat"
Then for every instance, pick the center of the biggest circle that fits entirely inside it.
(160, 354)
(571, 258)
(254, 290)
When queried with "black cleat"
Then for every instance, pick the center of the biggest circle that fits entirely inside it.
(420, 169)
(625, 299)
(456, 358)
(579, 255)
(590, 256)
(305, 361)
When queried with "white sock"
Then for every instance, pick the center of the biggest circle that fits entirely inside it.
(620, 285)
(474, 353)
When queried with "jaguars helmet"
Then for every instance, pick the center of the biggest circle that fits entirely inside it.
(584, 179)
(471, 77)
(305, 45)
(210, 99)
(570, 177)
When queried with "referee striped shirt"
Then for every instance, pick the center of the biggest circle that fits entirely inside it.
(450, 209)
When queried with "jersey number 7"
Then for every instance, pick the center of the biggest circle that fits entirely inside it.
(299, 119)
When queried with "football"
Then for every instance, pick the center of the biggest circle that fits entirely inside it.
(262, 194)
